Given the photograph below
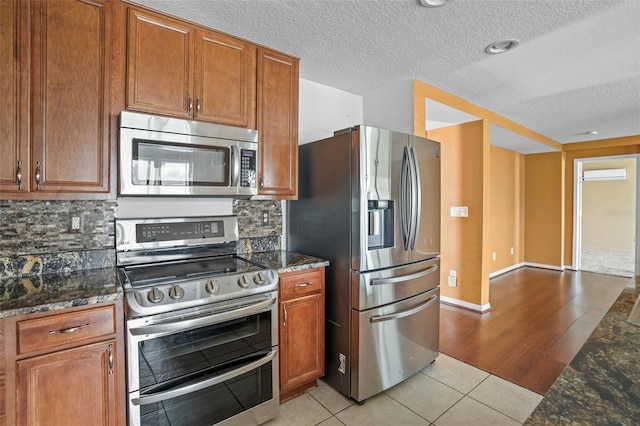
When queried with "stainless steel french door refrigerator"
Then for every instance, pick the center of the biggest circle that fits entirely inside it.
(369, 202)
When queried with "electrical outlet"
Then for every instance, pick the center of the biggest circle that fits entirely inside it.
(76, 223)
(453, 273)
(343, 363)
(494, 255)
(265, 218)
(452, 281)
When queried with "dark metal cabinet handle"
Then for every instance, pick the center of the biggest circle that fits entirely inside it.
(19, 175)
(69, 330)
(261, 182)
(110, 359)
(302, 285)
(38, 175)
(190, 103)
(197, 106)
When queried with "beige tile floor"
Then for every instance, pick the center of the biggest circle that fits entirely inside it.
(448, 392)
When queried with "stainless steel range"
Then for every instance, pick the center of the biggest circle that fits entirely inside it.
(202, 336)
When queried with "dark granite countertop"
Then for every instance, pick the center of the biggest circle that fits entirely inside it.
(285, 261)
(601, 385)
(48, 292)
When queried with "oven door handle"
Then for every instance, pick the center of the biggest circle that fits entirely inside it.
(201, 321)
(183, 390)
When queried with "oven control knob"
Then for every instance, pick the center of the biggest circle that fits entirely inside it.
(155, 295)
(212, 287)
(259, 278)
(176, 292)
(244, 282)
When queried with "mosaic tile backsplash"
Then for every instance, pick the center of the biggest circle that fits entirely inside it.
(34, 237)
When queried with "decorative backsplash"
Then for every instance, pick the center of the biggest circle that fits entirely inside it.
(34, 227)
(34, 237)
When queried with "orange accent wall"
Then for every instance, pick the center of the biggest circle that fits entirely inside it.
(465, 153)
(507, 209)
(544, 209)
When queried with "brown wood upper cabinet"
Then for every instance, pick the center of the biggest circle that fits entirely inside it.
(55, 94)
(176, 68)
(278, 125)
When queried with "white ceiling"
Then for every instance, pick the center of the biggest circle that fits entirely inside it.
(577, 68)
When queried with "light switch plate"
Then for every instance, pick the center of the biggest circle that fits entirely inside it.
(459, 211)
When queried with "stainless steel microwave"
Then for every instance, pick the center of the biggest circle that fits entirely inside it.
(162, 156)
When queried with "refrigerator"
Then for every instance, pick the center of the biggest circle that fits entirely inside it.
(369, 202)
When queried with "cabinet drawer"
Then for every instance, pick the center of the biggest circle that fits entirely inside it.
(63, 329)
(300, 284)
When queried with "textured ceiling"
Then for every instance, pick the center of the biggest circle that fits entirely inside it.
(577, 67)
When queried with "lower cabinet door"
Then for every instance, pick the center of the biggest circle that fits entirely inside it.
(301, 341)
(75, 386)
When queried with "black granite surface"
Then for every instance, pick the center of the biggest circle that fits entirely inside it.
(38, 293)
(285, 261)
(601, 385)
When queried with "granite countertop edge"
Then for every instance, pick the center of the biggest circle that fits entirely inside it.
(49, 292)
(56, 291)
(285, 261)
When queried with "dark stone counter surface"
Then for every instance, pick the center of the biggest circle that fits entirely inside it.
(285, 261)
(48, 292)
(601, 385)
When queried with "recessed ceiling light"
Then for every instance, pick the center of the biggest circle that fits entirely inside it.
(501, 46)
(434, 3)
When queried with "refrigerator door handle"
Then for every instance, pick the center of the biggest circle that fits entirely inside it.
(405, 213)
(382, 281)
(402, 314)
(416, 199)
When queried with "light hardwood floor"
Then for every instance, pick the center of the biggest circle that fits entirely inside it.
(539, 321)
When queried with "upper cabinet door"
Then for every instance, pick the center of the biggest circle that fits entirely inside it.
(71, 51)
(225, 80)
(14, 164)
(159, 65)
(277, 108)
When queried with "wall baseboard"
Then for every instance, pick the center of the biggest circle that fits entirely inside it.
(507, 269)
(466, 305)
(544, 266)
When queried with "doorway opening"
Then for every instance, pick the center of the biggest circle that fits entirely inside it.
(605, 215)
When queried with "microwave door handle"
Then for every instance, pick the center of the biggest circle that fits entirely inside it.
(183, 390)
(235, 166)
(188, 324)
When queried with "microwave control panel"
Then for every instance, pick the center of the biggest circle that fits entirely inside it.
(248, 168)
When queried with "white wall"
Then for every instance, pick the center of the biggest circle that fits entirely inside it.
(323, 110)
(390, 107)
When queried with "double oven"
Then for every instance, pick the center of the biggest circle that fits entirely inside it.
(201, 324)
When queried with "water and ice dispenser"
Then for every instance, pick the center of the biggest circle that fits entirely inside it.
(381, 224)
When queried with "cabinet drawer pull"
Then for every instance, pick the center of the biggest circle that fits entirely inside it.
(190, 103)
(69, 330)
(302, 285)
(197, 106)
(38, 175)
